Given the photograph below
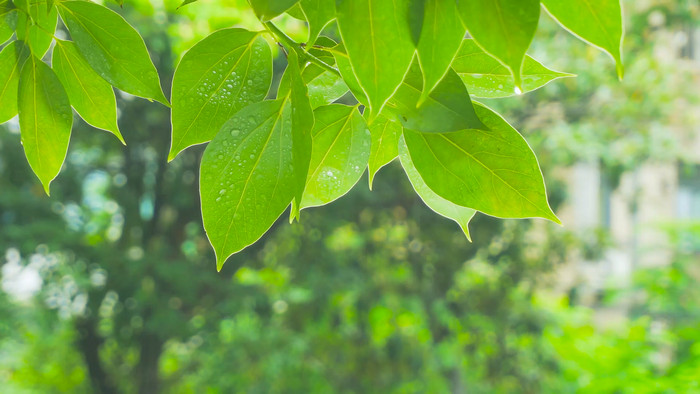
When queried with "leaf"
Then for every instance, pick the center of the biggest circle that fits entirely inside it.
(461, 215)
(218, 76)
(504, 28)
(184, 3)
(486, 77)
(341, 143)
(91, 96)
(112, 48)
(378, 41)
(324, 86)
(441, 35)
(8, 20)
(318, 14)
(45, 119)
(37, 31)
(598, 23)
(447, 108)
(247, 176)
(12, 57)
(385, 136)
(302, 124)
(343, 64)
(268, 9)
(493, 171)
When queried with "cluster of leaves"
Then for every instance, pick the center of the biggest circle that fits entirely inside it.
(406, 64)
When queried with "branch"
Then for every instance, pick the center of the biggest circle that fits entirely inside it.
(298, 48)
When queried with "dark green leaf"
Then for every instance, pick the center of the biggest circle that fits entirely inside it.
(597, 22)
(441, 35)
(268, 9)
(45, 119)
(91, 96)
(385, 136)
(493, 171)
(378, 42)
(447, 108)
(504, 28)
(221, 74)
(112, 48)
(247, 176)
(487, 77)
(318, 14)
(12, 58)
(341, 144)
(461, 215)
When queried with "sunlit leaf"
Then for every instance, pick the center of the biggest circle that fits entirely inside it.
(447, 108)
(385, 136)
(268, 9)
(112, 48)
(378, 42)
(492, 171)
(302, 124)
(91, 96)
(318, 14)
(247, 176)
(221, 74)
(37, 31)
(441, 35)
(486, 77)
(343, 64)
(12, 57)
(324, 86)
(597, 22)
(461, 215)
(341, 144)
(45, 119)
(504, 28)
(8, 20)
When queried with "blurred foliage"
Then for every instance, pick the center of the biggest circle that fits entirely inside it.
(373, 294)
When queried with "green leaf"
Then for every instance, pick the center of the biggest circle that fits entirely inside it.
(343, 64)
(447, 108)
(268, 9)
(38, 30)
(302, 124)
(385, 136)
(184, 3)
(45, 119)
(221, 74)
(112, 48)
(598, 23)
(441, 35)
(486, 77)
(318, 14)
(8, 20)
(247, 176)
(493, 171)
(378, 42)
(12, 58)
(341, 144)
(461, 215)
(504, 28)
(91, 96)
(324, 86)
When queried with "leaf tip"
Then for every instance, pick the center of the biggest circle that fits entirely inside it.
(620, 70)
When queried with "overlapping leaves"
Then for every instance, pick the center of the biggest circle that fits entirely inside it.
(396, 81)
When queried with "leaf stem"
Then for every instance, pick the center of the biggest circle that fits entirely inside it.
(298, 48)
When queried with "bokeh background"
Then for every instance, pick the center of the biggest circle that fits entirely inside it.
(110, 286)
